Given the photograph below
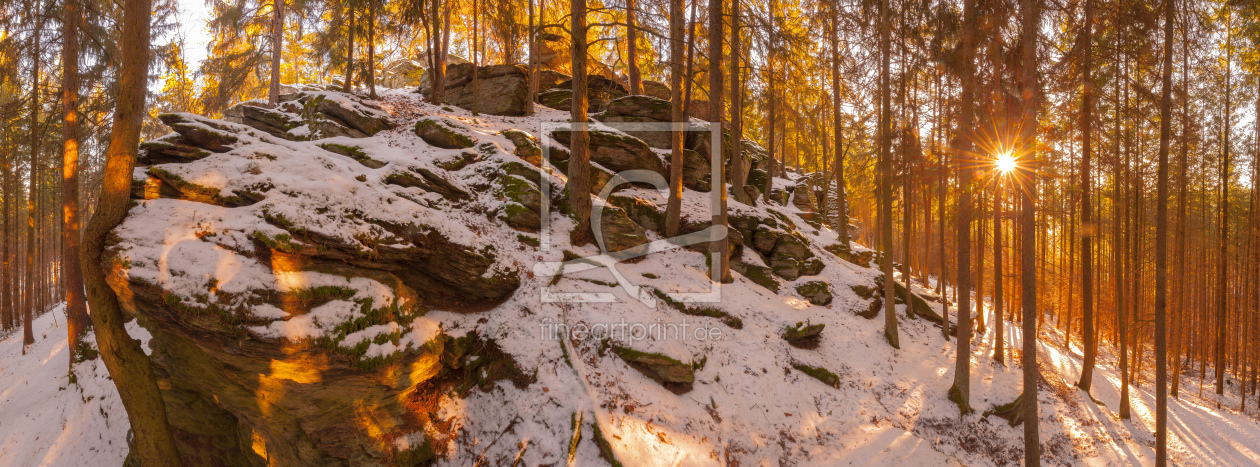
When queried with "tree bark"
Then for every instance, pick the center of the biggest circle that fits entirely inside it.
(346, 86)
(886, 178)
(960, 392)
(533, 62)
(127, 363)
(1032, 440)
(579, 161)
(76, 307)
(999, 324)
(772, 104)
(674, 203)
(476, 82)
(1222, 296)
(28, 337)
(632, 49)
(842, 214)
(1088, 229)
(371, 43)
(277, 43)
(737, 114)
(1161, 247)
(718, 270)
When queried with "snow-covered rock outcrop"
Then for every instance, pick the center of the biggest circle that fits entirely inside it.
(339, 280)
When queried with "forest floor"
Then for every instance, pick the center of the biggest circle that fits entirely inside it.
(48, 421)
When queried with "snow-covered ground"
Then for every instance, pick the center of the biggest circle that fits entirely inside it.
(45, 419)
(895, 411)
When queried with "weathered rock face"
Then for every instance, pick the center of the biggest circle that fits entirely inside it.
(655, 89)
(817, 292)
(640, 109)
(402, 74)
(549, 79)
(618, 152)
(600, 91)
(499, 89)
(288, 313)
(444, 133)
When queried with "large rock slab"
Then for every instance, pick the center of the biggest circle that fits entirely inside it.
(497, 90)
(618, 152)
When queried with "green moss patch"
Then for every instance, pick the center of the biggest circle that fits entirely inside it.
(819, 373)
(732, 321)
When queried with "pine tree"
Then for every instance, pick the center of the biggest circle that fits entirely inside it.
(127, 363)
(579, 160)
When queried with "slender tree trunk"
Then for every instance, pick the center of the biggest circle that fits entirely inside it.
(533, 62)
(772, 104)
(842, 214)
(1119, 256)
(632, 49)
(691, 53)
(127, 363)
(886, 178)
(277, 44)
(371, 45)
(1032, 439)
(76, 307)
(349, 78)
(8, 320)
(960, 392)
(1223, 271)
(28, 337)
(476, 82)
(674, 204)
(737, 113)
(720, 269)
(1161, 246)
(441, 37)
(579, 160)
(999, 338)
(1088, 229)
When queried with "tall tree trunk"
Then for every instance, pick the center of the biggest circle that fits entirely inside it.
(8, 317)
(1088, 229)
(579, 160)
(1161, 246)
(737, 112)
(1122, 166)
(437, 52)
(476, 82)
(842, 214)
(371, 44)
(885, 177)
(691, 53)
(718, 270)
(349, 78)
(28, 337)
(1032, 440)
(632, 49)
(533, 62)
(674, 203)
(277, 44)
(127, 363)
(1223, 271)
(771, 103)
(76, 307)
(960, 392)
(999, 324)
